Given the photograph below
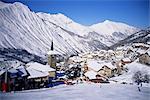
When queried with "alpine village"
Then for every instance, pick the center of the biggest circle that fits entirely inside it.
(101, 66)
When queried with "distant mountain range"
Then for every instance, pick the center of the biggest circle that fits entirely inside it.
(142, 36)
(21, 28)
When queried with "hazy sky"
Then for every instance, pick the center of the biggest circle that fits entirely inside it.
(88, 12)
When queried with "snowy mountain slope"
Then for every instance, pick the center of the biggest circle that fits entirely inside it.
(141, 36)
(112, 32)
(71, 37)
(22, 29)
(109, 27)
(66, 23)
(108, 32)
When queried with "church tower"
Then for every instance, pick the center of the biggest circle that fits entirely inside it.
(52, 57)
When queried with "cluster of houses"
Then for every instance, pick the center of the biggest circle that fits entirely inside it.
(97, 66)
(17, 76)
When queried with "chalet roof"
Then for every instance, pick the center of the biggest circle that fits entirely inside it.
(148, 51)
(76, 58)
(110, 51)
(119, 48)
(36, 73)
(95, 65)
(1, 72)
(141, 51)
(109, 65)
(141, 44)
(91, 74)
(12, 70)
(126, 59)
(23, 70)
(40, 67)
(148, 43)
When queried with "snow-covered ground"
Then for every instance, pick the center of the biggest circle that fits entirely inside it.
(82, 92)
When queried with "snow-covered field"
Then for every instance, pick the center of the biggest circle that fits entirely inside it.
(82, 92)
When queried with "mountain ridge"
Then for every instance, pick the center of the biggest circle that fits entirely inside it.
(23, 29)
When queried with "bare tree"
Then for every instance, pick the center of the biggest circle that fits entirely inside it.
(141, 77)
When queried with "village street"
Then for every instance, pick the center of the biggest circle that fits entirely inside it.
(85, 91)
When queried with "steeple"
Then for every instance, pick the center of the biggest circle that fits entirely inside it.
(52, 47)
(52, 56)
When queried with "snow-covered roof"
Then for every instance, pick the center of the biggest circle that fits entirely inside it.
(126, 59)
(53, 52)
(36, 73)
(141, 51)
(40, 67)
(12, 70)
(102, 51)
(148, 52)
(23, 70)
(109, 65)
(141, 44)
(90, 74)
(62, 63)
(1, 72)
(94, 65)
(76, 59)
(148, 43)
(110, 51)
(119, 48)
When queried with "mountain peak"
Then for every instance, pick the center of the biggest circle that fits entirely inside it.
(60, 14)
(107, 21)
(15, 5)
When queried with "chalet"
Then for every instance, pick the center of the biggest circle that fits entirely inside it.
(141, 46)
(101, 67)
(43, 68)
(129, 51)
(94, 77)
(37, 78)
(119, 66)
(107, 69)
(13, 79)
(145, 58)
(23, 76)
(119, 53)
